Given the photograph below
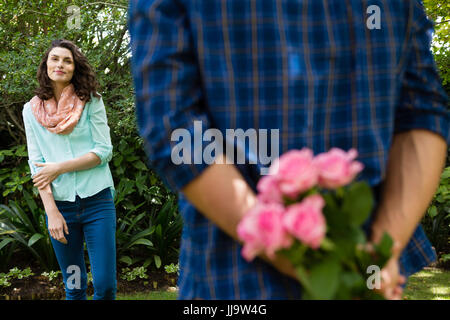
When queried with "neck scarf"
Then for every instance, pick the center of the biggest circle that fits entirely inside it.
(61, 117)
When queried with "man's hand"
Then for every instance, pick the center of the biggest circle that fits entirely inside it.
(391, 279)
(49, 172)
(416, 161)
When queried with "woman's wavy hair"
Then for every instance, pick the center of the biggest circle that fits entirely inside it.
(83, 80)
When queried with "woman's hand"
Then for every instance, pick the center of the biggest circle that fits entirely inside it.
(49, 172)
(57, 226)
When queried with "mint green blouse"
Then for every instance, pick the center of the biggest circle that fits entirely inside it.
(91, 134)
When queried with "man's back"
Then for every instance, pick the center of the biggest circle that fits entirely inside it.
(325, 73)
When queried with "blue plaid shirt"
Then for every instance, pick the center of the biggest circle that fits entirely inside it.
(312, 69)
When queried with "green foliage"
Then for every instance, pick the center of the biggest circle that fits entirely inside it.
(52, 275)
(28, 229)
(338, 269)
(439, 12)
(130, 275)
(15, 172)
(436, 222)
(26, 31)
(172, 268)
(14, 273)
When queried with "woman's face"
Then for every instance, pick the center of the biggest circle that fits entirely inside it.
(60, 65)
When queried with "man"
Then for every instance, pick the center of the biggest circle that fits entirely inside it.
(321, 73)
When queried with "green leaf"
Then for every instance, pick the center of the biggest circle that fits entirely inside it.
(324, 279)
(304, 279)
(159, 230)
(157, 261)
(140, 165)
(358, 203)
(131, 158)
(34, 239)
(446, 173)
(5, 242)
(444, 257)
(143, 241)
(118, 160)
(432, 211)
(383, 249)
(126, 259)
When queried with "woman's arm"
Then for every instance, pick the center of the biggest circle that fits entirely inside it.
(56, 222)
(50, 170)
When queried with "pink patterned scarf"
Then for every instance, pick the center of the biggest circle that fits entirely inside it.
(59, 118)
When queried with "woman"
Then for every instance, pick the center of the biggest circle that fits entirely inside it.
(69, 147)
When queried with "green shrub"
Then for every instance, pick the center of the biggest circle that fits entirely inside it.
(14, 273)
(436, 221)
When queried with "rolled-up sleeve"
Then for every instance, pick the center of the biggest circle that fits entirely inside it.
(100, 131)
(34, 153)
(168, 88)
(423, 103)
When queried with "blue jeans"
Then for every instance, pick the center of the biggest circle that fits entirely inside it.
(92, 219)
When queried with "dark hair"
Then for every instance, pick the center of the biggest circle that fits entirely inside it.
(83, 80)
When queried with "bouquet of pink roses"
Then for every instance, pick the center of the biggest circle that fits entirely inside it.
(310, 209)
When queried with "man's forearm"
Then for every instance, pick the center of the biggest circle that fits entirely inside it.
(416, 161)
(87, 161)
(223, 196)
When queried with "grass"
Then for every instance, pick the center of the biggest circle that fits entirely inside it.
(152, 295)
(429, 284)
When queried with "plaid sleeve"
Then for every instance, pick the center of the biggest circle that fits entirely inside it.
(423, 101)
(168, 89)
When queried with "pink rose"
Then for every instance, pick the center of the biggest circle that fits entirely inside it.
(305, 220)
(337, 168)
(269, 190)
(262, 229)
(295, 172)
